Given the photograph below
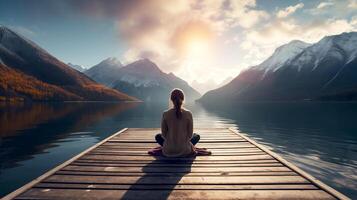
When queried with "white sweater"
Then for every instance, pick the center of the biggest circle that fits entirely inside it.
(177, 133)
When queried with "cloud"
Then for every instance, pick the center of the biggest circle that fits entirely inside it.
(352, 4)
(354, 21)
(338, 9)
(159, 29)
(324, 4)
(289, 10)
(242, 13)
(323, 7)
(260, 44)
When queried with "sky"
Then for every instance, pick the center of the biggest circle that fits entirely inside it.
(201, 41)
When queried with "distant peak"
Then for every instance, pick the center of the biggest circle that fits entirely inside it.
(111, 61)
(9, 37)
(282, 54)
(293, 44)
(3, 28)
(339, 37)
(145, 65)
(145, 60)
(5, 32)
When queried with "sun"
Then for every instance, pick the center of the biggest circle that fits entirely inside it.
(197, 48)
(193, 40)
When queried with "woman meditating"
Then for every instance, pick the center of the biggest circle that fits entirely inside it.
(177, 138)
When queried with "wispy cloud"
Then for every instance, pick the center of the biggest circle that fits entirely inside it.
(289, 10)
(352, 4)
(324, 4)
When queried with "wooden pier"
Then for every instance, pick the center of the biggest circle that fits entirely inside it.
(120, 168)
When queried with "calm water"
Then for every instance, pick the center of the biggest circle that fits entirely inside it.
(321, 138)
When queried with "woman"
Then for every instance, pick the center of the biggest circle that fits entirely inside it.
(177, 138)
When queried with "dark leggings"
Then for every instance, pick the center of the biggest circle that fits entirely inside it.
(160, 140)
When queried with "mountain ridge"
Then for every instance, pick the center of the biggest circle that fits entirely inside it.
(142, 79)
(323, 69)
(27, 59)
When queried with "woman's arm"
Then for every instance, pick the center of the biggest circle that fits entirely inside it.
(190, 126)
(164, 127)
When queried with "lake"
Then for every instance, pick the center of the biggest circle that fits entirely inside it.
(320, 138)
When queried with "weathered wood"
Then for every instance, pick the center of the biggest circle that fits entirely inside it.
(119, 167)
(211, 158)
(176, 180)
(176, 165)
(181, 161)
(176, 169)
(118, 153)
(174, 194)
(123, 150)
(152, 141)
(177, 187)
(162, 174)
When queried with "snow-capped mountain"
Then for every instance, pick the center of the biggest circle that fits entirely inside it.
(210, 84)
(324, 70)
(76, 67)
(106, 72)
(282, 55)
(31, 73)
(142, 79)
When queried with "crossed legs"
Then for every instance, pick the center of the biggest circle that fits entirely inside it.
(160, 140)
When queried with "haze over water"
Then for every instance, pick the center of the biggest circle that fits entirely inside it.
(320, 138)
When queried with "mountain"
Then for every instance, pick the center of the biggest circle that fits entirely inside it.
(326, 70)
(282, 55)
(106, 72)
(142, 79)
(76, 67)
(208, 85)
(28, 72)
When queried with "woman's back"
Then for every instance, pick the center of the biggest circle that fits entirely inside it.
(177, 133)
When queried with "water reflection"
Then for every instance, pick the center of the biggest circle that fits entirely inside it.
(321, 138)
(34, 128)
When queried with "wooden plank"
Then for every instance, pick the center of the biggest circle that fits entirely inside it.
(181, 161)
(163, 174)
(177, 187)
(202, 145)
(176, 180)
(328, 189)
(202, 136)
(174, 194)
(210, 158)
(153, 141)
(176, 164)
(209, 146)
(123, 150)
(149, 169)
(116, 153)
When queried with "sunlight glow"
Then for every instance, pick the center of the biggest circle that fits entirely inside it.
(193, 40)
(197, 48)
